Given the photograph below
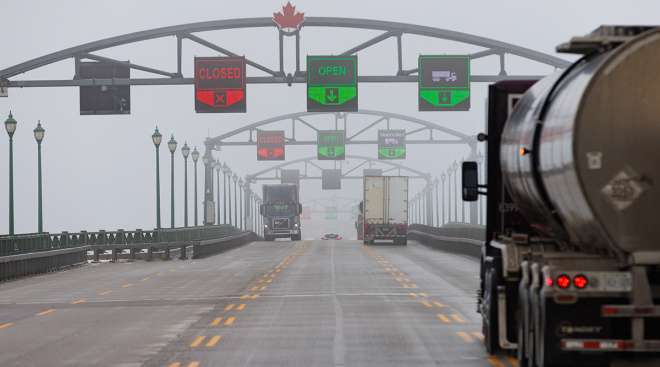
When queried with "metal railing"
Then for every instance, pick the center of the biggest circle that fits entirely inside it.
(35, 242)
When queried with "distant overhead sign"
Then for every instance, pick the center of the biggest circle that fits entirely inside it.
(444, 83)
(331, 179)
(391, 144)
(332, 83)
(331, 145)
(290, 176)
(270, 145)
(104, 99)
(220, 84)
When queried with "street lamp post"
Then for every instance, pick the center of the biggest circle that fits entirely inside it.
(443, 177)
(437, 202)
(10, 126)
(218, 167)
(185, 151)
(195, 157)
(235, 201)
(240, 204)
(456, 191)
(227, 185)
(172, 146)
(156, 137)
(39, 137)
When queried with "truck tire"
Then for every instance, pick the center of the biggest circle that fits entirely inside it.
(489, 316)
(401, 241)
(297, 237)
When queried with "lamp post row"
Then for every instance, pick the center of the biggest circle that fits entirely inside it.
(239, 209)
(39, 133)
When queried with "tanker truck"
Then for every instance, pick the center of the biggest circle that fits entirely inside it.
(570, 271)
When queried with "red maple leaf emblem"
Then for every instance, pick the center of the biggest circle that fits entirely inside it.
(288, 19)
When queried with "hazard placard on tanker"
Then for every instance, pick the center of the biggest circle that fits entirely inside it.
(220, 84)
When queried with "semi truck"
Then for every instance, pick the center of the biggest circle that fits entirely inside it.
(281, 211)
(385, 209)
(570, 271)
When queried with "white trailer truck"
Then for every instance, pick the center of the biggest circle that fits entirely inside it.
(385, 209)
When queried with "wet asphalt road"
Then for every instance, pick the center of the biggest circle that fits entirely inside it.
(307, 303)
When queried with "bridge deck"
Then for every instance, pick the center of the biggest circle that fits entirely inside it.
(310, 303)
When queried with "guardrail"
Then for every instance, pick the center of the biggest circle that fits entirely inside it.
(456, 238)
(37, 253)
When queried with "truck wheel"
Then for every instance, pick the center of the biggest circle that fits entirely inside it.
(489, 316)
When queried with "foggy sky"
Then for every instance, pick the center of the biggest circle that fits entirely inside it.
(99, 170)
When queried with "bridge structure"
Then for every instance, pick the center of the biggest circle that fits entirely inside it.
(32, 253)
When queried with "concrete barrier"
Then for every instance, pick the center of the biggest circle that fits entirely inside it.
(215, 246)
(454, 239)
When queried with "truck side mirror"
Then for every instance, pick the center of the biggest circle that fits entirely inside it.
(299, 208)
(261, 209)
(470, 180)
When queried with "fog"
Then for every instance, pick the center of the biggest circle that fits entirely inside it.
(99, 171)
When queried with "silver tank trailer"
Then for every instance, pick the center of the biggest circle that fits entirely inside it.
(583, 161)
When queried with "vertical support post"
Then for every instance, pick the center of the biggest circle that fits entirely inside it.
(399, 54)
(281, 52)
(297, 52)
(185, 191)
(224, 196)
(208, 185)
(437, 203)
(40, 224)
(428, 198)
(179, 51)
(196, 210)
(11, 185)
(217, 175)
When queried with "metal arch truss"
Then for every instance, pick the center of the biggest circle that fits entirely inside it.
(346, 173)
(390, 30)
(379, 118)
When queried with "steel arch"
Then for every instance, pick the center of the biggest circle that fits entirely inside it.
(218, 141)
(252, 177)
(185, 31)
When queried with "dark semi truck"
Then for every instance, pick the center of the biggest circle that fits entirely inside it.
(570, 271)
(281, 211)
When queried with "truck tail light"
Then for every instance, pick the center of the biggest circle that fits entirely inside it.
(580, 281)
(563, 281)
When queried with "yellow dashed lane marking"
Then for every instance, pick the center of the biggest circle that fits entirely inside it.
(216, 321)
(254, 296)
(175, 364)
(104, 293)
(193, 364)
(438, 304)
(214, 341)
(478, 335)
(413, 295)
(495, 362)
(426, 304)
(245, 296)
(241, 307)
(424, 294)
(443, 318)
(6, 325)
(230, 321)
(78, 301)
(465, 336)
(198, 340)
(127, 285)
(255, 288)
(458, 318)
(512, 361)
(229, 307)
(46, 312)
(146, 278)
